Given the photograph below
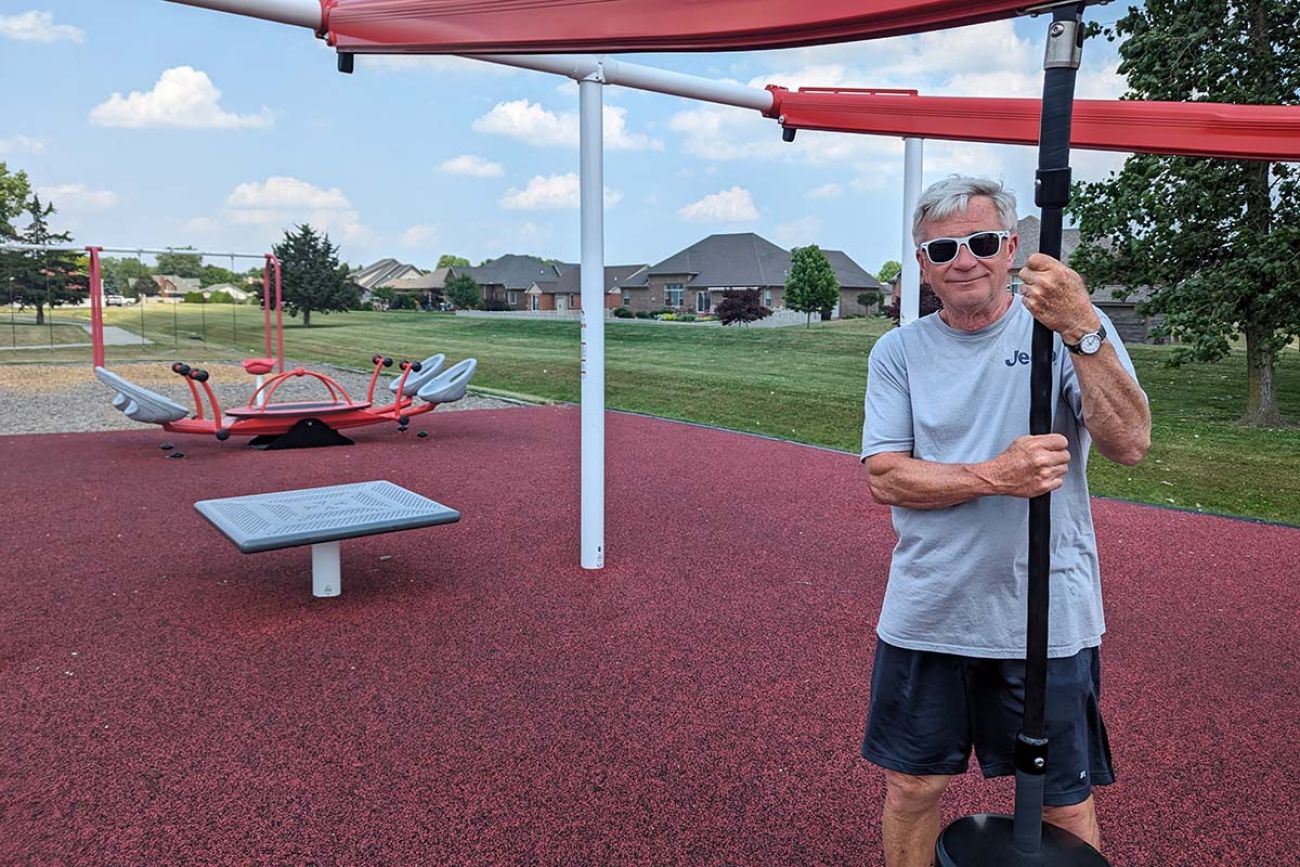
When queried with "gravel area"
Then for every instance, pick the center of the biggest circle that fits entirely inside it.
(55, 398)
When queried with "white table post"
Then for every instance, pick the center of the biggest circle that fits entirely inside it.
(326, 571)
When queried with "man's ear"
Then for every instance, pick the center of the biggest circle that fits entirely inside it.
(1012, 243)
(921, 261)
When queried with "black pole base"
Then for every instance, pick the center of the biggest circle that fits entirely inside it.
(985, 841)
(307, 433)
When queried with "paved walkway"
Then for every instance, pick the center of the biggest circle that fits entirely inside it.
(113, 336)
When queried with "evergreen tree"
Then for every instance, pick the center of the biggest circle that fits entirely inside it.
(313, 279)
(38, 278)
(811, 286)
(1217, 241)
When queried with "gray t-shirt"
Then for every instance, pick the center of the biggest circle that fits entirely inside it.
(958, 579)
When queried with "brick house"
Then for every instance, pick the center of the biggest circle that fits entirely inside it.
(694, 279)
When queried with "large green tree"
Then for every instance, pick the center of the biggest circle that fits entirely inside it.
(889, 271)
(123, 273)
(463, 292)
(447, 260)
(180, 264)
(1216, 241)
(811, 286)
(312, 277)
(41, 278)
(15, 191)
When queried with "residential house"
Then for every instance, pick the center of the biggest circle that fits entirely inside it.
(694, 279)
(565, 291)
(504, 282)
(236, 293)
(381, 273)
(173, 289)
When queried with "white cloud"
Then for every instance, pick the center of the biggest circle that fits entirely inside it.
(726, 134)
(468, 164)
(535, 125)
(77, 197)
(38, 27)
(798, 233)
(825, 191)
(182, 97)
(21, 144)
(729, 206)
(281, 202)
(418, 236)
(552, 192)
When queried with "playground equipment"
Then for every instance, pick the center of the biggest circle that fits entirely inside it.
(294, 424)
(491, 29)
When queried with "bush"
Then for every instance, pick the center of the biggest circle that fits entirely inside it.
(622, 313)
(221, 297)
(667, 316)
(644, 314)
(195, 298)
(686, 317)
(741, 305)
(496, 304)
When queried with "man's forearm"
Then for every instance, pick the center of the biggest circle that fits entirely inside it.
(918, 484)
(1114, 408)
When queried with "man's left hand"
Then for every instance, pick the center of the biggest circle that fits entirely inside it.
(1057, 297)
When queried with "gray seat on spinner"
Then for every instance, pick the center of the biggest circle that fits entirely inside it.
(139, 403)
(451, 384)
(428, 370)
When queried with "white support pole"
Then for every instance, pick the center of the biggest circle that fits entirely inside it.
(909, 302)
(592, 275)
(326, 570)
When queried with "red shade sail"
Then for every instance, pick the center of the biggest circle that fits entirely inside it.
(523, 26)
(1201, 129)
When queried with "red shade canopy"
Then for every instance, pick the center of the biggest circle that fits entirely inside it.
(522, 26)
(1202, 129)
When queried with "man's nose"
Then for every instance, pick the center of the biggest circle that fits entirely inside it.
(964, 258)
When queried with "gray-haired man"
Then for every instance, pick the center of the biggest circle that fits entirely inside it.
(947, 403)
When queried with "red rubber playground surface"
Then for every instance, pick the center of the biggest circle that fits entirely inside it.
(476, 698)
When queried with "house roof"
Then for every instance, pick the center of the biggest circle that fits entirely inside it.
(569, 280)
(513, 271)
(849, 274)
(1030, 229)
(436, 279)
(745, 259)
(382, 273)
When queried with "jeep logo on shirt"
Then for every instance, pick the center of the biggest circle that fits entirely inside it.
(1022, 357)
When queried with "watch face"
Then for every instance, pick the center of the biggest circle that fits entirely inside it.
(1090, 343)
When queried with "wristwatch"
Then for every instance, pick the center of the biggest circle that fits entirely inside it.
(1090, 343)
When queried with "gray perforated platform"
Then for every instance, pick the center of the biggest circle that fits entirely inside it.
(283, 519)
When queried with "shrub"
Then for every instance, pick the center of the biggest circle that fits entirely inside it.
(496, 304)
(644, 314)
(741, 305)
(622, 313)
(221, 297)
(195, 298)
(667, 316)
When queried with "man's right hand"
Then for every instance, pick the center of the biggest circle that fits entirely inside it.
(1030, 466)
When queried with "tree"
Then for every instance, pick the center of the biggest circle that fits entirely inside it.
(14, 192)
(811, 286)
(180, 264)
(212, 275)
(123, 274)
(929, 303)
(1217, 241)
(42, 277)
(741, 305)
(462, 291)
(889, 271)
(446, 260)
(312, 276)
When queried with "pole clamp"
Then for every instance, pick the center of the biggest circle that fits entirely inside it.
(1031, 754)
(1064, 45)
(1052, 187)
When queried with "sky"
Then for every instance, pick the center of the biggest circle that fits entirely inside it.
(152, 124)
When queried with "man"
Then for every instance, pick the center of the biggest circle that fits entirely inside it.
(947, 406)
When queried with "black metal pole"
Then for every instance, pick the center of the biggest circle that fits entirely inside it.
(1021, 840)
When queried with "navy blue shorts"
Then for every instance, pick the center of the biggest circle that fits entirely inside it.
(929, 709)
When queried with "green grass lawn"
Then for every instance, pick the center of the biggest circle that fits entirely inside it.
(802, 384)
(19, 332)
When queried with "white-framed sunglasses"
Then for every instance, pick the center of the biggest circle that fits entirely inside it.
(982, 245)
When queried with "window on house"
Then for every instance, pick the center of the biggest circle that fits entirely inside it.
(767, 297)
(627, 299)
(702, 301)
(512, 297)
(673, 295)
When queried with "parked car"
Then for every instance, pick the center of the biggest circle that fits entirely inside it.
(115, 300)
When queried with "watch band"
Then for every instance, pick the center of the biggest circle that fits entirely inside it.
(1077, 348)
